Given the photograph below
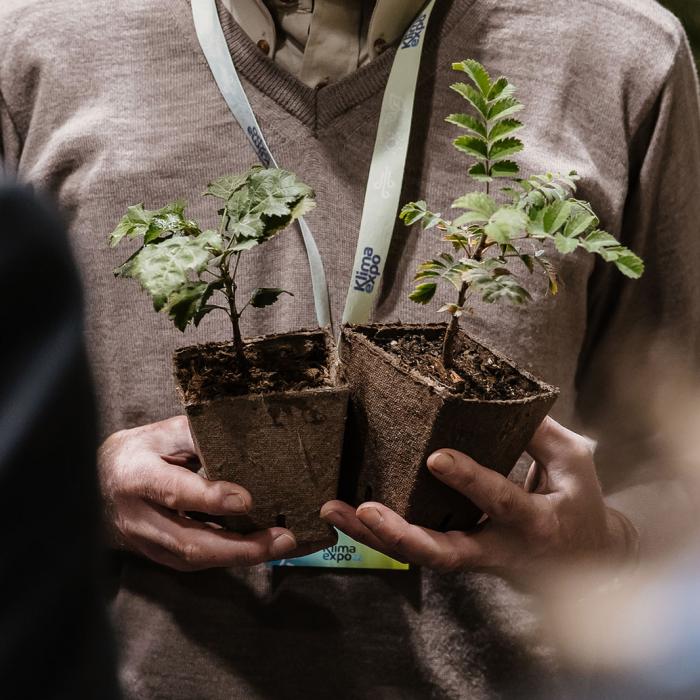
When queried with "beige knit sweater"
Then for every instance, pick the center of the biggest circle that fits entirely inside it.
(105, 104)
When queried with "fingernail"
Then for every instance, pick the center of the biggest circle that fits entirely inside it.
(332, 515)
(235, 504)
(282, 544)
(441, 462)
(370, 517)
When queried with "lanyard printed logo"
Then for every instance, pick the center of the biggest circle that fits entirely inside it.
(366, 276)
(259, 146)
(412, 37)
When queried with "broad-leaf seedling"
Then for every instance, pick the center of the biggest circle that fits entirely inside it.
(490, 237)
(190, 272)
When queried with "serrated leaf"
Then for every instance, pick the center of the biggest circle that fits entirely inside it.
(153, 225)
(478, 173)
(184, 302)
(630, 265)
(565, 245)
(472, 145)
(473, 96)
(505, 168)
(504, 128)
(477, 202)
(502, 108)
(164, 268)
(555, 216)
(423, 293)
(505, 225)
(505, 148)
(266, 296)
(477, 73)
(579, 224)
(467, 121)
(224, 187)
(501, 88)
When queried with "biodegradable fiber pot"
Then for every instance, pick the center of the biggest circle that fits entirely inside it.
(279, 435)
(401, 413)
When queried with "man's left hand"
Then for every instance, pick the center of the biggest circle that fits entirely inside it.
(563, 520)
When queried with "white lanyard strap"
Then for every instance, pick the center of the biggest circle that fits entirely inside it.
(213, 42)
(386, 173)
(388, 159)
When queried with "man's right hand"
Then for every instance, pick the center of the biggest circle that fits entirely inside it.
(147, 489)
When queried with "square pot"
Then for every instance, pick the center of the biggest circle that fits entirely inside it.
(399, 417)
(284, 446)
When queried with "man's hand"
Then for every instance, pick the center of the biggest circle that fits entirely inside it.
(564, 520)
(147, 488)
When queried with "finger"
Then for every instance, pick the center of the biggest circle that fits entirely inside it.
(536, 479)
(551, 440)
(196, 546)
(566, 456)
(447, 551)
(344, 517)
(170, 437)
(499, 498)
(177, 488)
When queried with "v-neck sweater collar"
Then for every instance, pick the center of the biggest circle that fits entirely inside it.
(315, 107)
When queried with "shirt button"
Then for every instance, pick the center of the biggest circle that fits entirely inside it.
(379, 46)
(264, 46)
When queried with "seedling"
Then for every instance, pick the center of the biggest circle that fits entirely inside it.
(491, 237)
(190, 272)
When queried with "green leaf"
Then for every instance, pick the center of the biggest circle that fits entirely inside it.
(505, 168)
(477, 73)
(164, 267)
(467, 121)
(265, 204)
(501, 88)
(630, 265)
(472, 145)
(266, 296)
(579, 222)
(502, 108)
(504, 148)
(153, 225)
(473, 96)
(423, 293)
(555, 216)
(597, 241)
(504, 128)
(565, 245)
(184, 302)
(477, 202)
(224, 187)
(505, 225)
(478, 173)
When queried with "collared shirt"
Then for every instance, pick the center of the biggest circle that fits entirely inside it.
(322, 41)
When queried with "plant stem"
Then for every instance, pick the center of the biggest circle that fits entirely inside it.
(229, 281)
(450, 337)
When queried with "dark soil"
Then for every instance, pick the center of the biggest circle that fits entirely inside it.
(477, 373)
(278, 363)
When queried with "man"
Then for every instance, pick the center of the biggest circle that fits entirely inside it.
(109, 104)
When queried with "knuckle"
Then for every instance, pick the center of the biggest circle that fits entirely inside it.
(504, 498)
(190, 553)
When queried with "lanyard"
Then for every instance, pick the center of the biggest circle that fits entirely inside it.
(386, 170)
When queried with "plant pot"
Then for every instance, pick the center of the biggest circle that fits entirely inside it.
(279, 435)
(400, 414)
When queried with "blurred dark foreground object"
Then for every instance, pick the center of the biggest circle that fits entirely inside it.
(54, 637)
